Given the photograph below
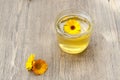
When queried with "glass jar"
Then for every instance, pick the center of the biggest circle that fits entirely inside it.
(73, 29)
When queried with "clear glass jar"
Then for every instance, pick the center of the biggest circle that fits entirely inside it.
(73, 29)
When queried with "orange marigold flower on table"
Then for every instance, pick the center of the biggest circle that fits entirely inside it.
(39, 66)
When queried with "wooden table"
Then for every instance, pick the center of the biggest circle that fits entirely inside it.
(28, 27)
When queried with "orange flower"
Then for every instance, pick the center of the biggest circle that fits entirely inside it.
(39, 66)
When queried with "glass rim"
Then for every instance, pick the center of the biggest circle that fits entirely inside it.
(76, 13)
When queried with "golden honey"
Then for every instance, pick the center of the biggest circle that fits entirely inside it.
(76, 43)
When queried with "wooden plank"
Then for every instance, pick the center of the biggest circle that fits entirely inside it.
(27, 26)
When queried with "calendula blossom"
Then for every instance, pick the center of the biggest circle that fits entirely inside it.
(72, 27)
(37, 66)
(30, 61)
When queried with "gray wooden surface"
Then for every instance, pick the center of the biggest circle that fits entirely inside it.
(28, 27)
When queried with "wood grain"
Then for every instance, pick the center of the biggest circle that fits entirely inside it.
(27, 26)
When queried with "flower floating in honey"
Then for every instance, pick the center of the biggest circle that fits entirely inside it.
(72, 27)
(37, 66)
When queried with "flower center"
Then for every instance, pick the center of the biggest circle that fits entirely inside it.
(72, 27)
(37, 66)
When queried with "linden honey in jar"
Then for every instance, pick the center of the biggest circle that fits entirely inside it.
(73, 31)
